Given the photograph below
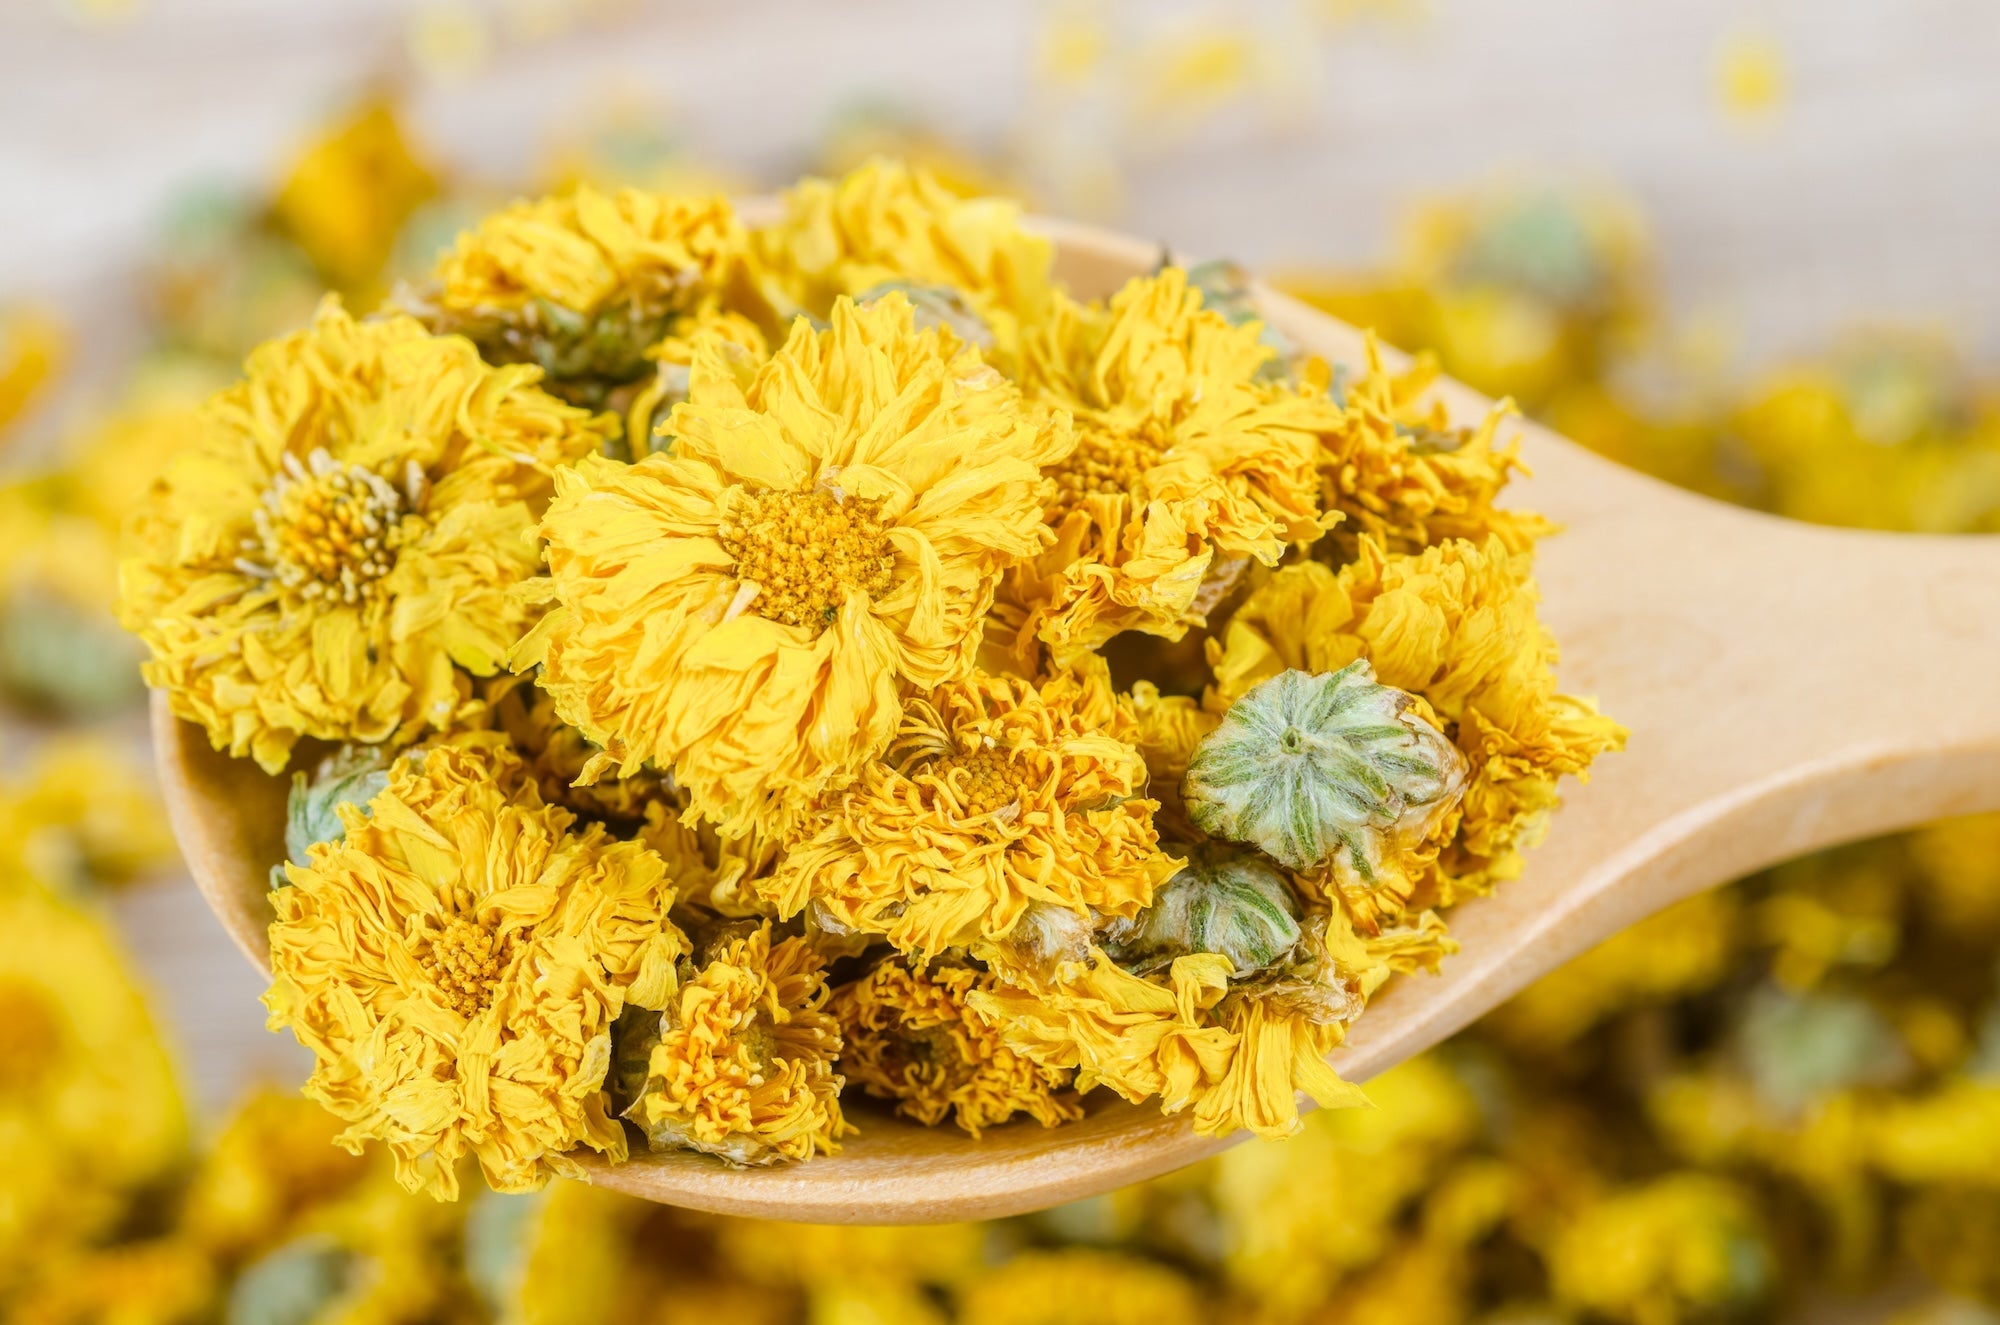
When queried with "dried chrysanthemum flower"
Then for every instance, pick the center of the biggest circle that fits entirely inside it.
(556, 755)
(1329, 769)
(1455, 626)
(83, 812)
(584, 284)
(1400, 472)
(1682, 1245)
(347, 537)
(746, 608)
(1187, 467)
(739, 340)
(1081, 1283)
(1224, 900)
(455, 964)
(740, 1063)
(996, 795)
(907, 1035)
(273, 1163)
(886, 224)
(89, 1113)
(1237, 1057)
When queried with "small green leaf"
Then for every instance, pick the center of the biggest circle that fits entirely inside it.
(351, 775)
(1323, 769)
(1226, 900)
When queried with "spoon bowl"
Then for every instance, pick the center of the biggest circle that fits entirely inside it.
(1788, 687)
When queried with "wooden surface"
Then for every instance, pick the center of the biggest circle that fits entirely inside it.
(1788, 687)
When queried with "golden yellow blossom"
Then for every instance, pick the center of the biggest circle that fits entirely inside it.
(1188, 465)
(652, 398)
(82, 812)
(1401, 474)
(1239, 1058)
(455, 964)
(346, 537)
(995, 796)
(273, 1162)
(1683, 1245)
(1290, 1246)
(744, 608)
(886, 222)
(1454, 625)
(583, 283)
(743, 1062)
(165, 1281)
(885, 1262)
(89, 1112)
(349, 194)
(908, 1036)
(1073, 1285)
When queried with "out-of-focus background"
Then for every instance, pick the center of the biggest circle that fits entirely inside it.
(1743, 246)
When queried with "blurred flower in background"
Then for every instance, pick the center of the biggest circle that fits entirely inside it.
(1774, 1092)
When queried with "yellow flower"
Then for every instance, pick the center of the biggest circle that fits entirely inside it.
(273, 1161)
(1187, 467)
(995, 796)
(583, 283)
(1682, 1245)
(89, 1112)
(346, 537)
(673, 368)
(743, 1062)
(349, 194)
(34, 349)
(908, 1036)
(160, 1282)
(1455, 626)
(455, 964)
(82, 813)
(1399, 473)
(744, 609)
(557, 753)
(1073, 1285)
(887, 222)
(1290, 1246)
(1239, 1058)
(875, 1262)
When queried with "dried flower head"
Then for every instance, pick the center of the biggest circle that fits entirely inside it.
(741, 1062)
(745, 608)
(455, 963)
(584, 283)
(346, 538)
(886, 223)
(997, 795)
(1329, 769)
(907, 1035)
(1186, 461)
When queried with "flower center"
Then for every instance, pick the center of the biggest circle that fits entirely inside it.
(464, 960)
(984, 781)
(31, 1035)
(806, 551)
(1103, 465)
(329, 530)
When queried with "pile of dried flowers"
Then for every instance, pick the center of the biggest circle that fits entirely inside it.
(719, 661)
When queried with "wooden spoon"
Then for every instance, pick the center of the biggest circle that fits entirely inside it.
(1788, 687)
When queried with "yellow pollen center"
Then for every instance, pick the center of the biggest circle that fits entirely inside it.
(805, 551)
(983, 781)
(329, 530)
(31, 1035)
(464, 960)
(1100, 466)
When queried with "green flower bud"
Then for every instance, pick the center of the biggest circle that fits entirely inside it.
(938, 306)
(1226, 900)
(351, 775)
(291, 1285)
(1323, 769)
